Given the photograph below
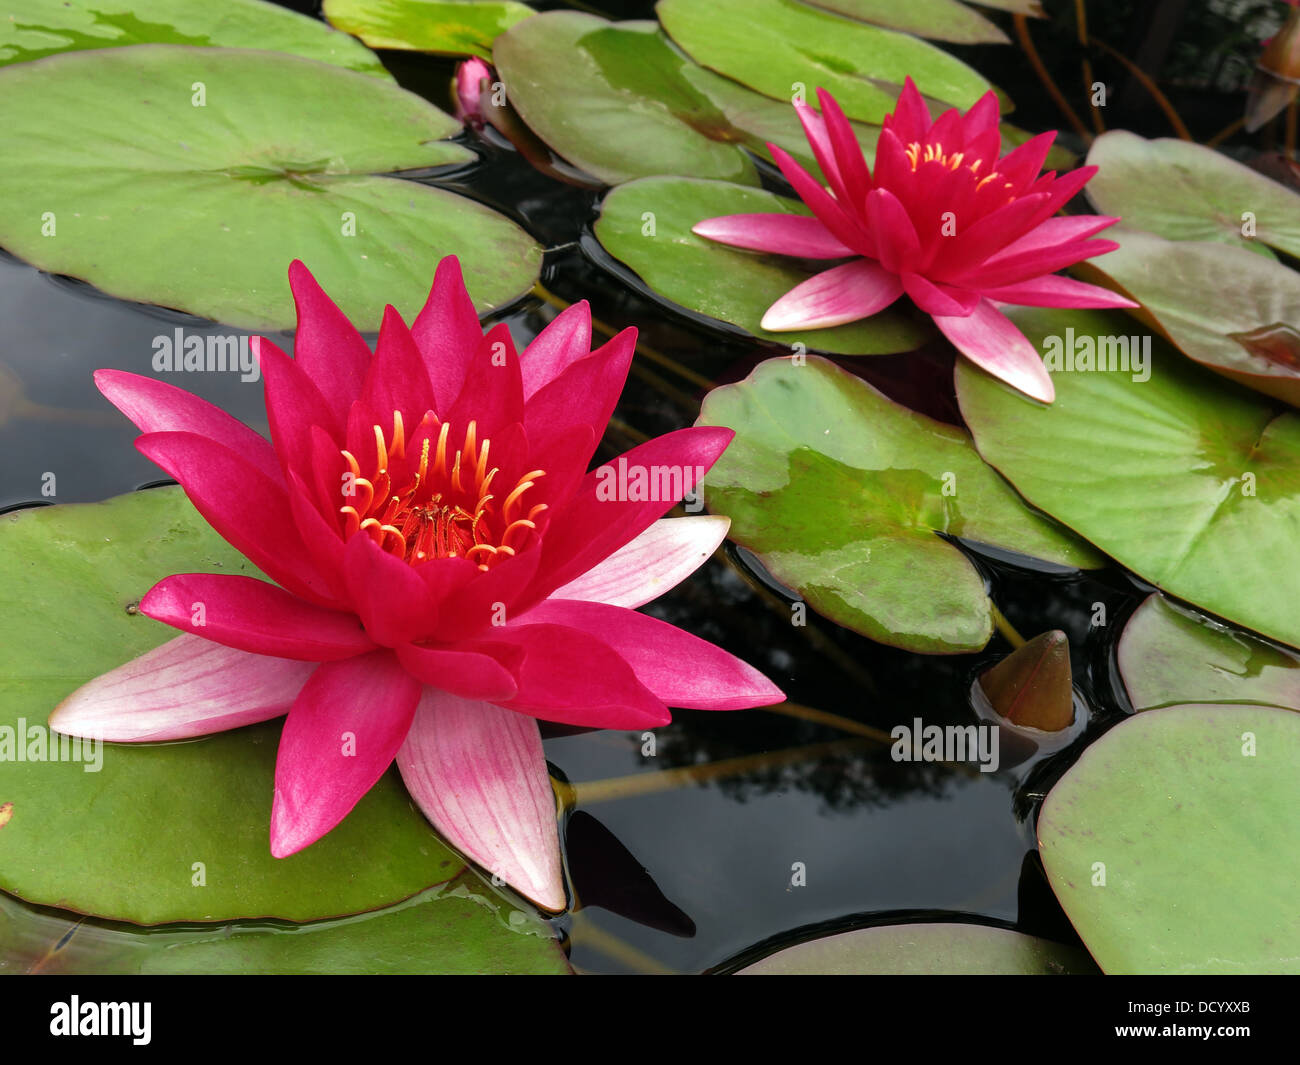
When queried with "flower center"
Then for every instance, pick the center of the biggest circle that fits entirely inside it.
(933, 153)
(439, 504)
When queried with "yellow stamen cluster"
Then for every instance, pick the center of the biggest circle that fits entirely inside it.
(440, 506)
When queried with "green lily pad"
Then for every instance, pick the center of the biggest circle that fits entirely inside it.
(447, 27)
(33, 29)
(1185, 191)
(202, 208)
(617, 100)
(1191, 483)
(775, 46)
(939, 20)
(1232, 311)
(925, 950)
(646, 224)
(842, 494)
(461, 929)
(1169, 654)
(1173, 845)
(130, 833)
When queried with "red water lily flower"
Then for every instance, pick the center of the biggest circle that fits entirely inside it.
(446, 571)
(942, 219)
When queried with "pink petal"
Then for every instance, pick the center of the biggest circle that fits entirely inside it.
(897, 243)
(584, 394)
(342, 733)
(841, 294)
(565, 340)
(493, 393)
(245, 506)
(251, 615)
(387, 593)
(814, 130)
(982, 117)
(293, 404)
(1052, 290)
(593, 526)
(397, 380)
(961, 253)
(156, 407)
(990, 340)
(848, 152)
(1022, 165)
(680, 669)
(1010, 269)
(447, 331)
(846, 228)
(469, 674)
(184, 688)
(574, 678)
(783, 234)
(938, 298)
(326, 346)
(910, 119)
(655, 562)
(479, 774)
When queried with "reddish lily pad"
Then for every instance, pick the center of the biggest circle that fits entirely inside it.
(1173, 845)
(926, 950)
(459, 930)
(33, 29)
(1232, 311)
(775, 46)
(1170, 654)
(445, 27)
(1190, 482)
(248, 160)
(842, 494)
(1185, 191)
(160, 832)
(647, 225)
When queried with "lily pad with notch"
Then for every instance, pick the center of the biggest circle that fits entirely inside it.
(852, 501)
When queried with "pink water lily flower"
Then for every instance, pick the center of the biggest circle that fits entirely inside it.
(942, 219)
(446, 572)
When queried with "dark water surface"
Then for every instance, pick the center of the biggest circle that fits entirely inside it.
(697, 876)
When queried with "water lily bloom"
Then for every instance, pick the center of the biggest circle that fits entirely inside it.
(942, 219)
(472, 77)
(446, 572)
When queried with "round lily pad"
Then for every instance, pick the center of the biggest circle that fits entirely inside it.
(136, 835)
(619, 101)
(460, 930)
(33, 29)
(1173, 845)
(1237, 313)
(1186, 480)
(939, 20)
(1185, 191)
(646, 224)
(192, 177)
(1170, 654)
(843, 495)
(446, 27)
(925, 950)
(776, 46)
